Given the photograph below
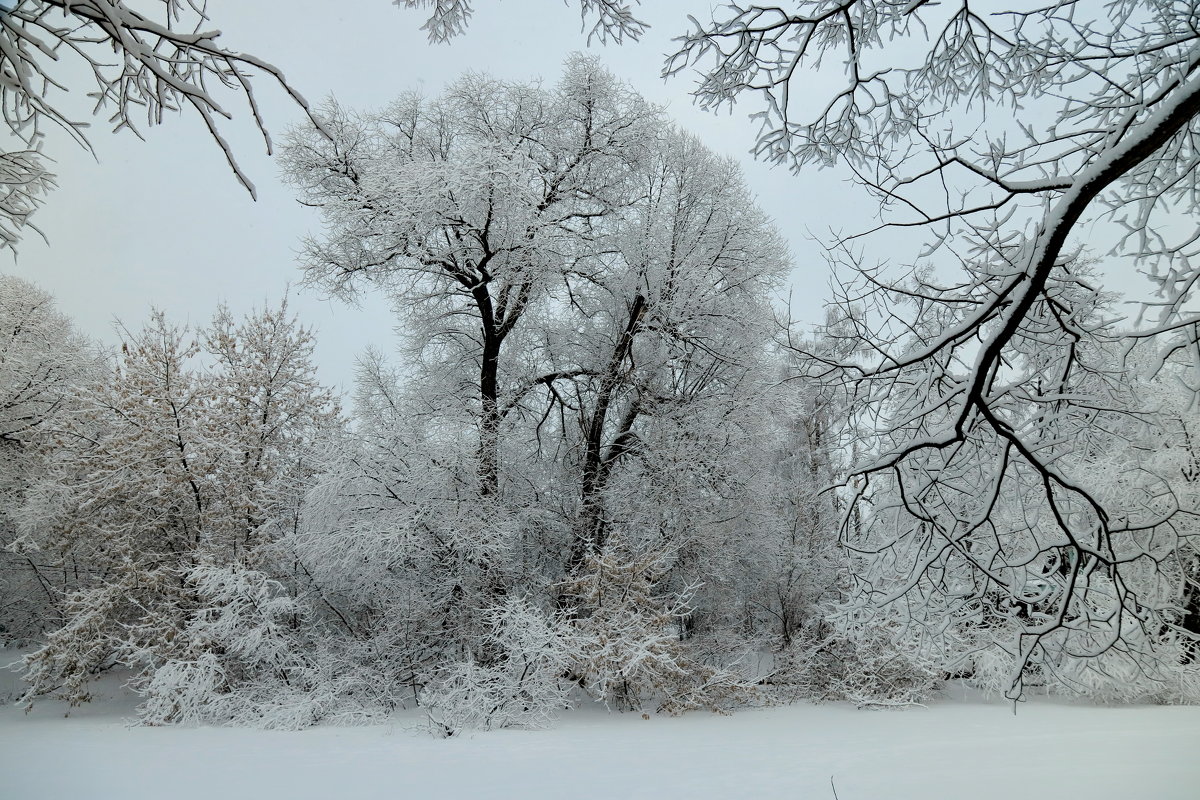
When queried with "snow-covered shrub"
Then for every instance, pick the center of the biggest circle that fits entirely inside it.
(234, 658)
(523, 685)
(469, 696)
(870, 669)
(42, 357)
(629, 647)
(401, 560)
(851, 652)
(84, 646)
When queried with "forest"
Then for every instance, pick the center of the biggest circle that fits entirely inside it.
(600, 463)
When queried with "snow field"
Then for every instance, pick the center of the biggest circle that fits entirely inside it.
(952, 750)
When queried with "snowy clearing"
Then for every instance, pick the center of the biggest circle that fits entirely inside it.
(952, 749)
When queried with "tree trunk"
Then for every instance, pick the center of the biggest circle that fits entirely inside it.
(492, 334)
(489, 423)
(591, 527)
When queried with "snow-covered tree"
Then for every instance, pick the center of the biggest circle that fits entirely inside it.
(42, 357)
(988, 366)
(799, 568)
(401, 555)
(469, 209)
(659, 331)
(163, 477)
(274, 411)
(41, 354)
(126, 496)
(586, 292)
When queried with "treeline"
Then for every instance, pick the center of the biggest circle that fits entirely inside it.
(593, 469)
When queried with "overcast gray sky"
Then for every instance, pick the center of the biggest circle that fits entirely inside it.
(164, 223)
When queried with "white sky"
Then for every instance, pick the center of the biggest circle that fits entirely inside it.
(163, 222)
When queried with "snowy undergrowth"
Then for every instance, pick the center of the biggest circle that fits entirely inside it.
(951, 749)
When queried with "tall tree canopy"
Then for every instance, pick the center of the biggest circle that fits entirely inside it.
(586, 295)
(472, 208)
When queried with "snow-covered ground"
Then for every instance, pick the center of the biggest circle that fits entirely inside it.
(954, 749)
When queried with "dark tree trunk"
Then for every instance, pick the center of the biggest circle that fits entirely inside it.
(597, 465)
(489, 423)
(492, 333)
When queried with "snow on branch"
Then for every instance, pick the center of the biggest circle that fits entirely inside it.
(165, 62)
